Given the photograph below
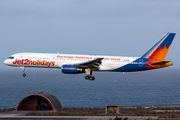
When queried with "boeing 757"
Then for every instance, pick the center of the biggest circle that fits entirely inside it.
(74, 64)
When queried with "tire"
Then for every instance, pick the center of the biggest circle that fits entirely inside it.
(87, 77)
(24, 75)
(90, 78)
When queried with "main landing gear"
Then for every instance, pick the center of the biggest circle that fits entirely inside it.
(23, 70)
(89, 76)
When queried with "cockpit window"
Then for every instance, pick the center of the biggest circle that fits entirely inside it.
(11, 57)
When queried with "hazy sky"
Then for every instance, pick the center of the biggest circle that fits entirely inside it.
(101, 27)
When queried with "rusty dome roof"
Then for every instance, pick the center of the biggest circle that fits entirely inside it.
(34, 101)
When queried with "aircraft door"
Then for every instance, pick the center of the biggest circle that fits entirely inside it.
(110, 62)
(20, 56)
(53, 58)
(141, 62)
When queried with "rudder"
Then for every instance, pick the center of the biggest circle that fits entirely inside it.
(159, 51)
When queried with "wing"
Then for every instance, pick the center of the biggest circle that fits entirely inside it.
(90, 64)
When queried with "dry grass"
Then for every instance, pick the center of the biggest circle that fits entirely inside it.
(10, 109)
(136, 111)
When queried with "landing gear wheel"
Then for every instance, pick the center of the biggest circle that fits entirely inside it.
(24, 75)
(23, 70)
(91, 78)
(87, 77)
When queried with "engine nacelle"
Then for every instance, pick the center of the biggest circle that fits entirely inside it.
(71, 69)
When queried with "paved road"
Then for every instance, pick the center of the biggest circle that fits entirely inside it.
(16, 115)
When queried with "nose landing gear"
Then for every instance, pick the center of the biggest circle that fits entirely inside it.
(23, 70)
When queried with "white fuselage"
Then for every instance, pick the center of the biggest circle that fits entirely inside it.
(75, 64)
(57, 60)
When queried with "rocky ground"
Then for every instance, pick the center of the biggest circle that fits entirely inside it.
(161, 112)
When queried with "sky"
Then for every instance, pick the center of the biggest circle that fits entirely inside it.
(98, 27)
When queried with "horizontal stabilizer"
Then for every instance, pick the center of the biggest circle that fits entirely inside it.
(162, 64)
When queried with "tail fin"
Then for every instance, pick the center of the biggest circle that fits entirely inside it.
(159, 51)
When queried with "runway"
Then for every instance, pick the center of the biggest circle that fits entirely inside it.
(22, 115)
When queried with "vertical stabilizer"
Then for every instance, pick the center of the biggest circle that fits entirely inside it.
(159, 51)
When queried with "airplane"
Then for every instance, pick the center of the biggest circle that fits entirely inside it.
(74, 64)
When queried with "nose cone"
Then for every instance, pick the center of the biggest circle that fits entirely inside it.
(6, 62)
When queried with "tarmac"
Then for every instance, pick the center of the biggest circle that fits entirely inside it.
(21, 115)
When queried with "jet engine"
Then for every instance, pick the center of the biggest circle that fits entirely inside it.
(71, 69)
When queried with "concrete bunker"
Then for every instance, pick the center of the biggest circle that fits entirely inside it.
(40, 101)
(112, 109)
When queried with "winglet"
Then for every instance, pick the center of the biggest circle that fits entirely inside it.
(159, 51)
